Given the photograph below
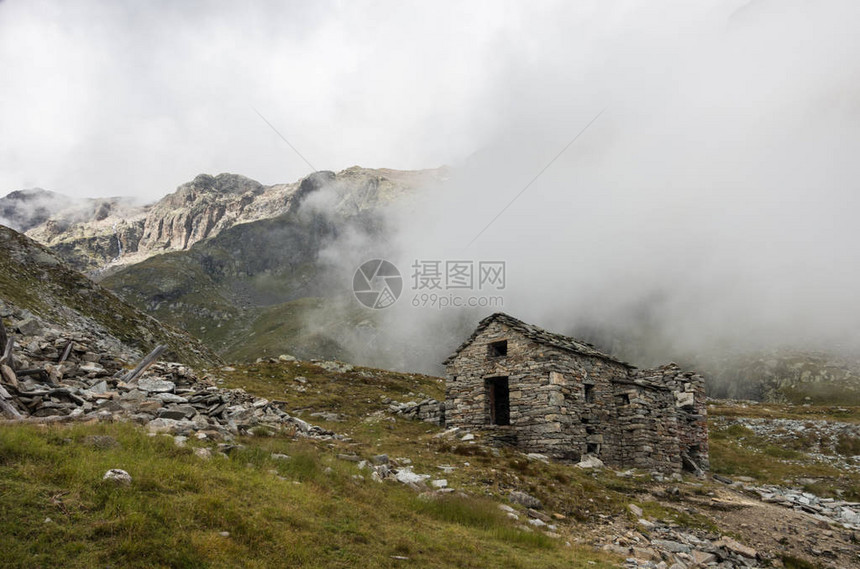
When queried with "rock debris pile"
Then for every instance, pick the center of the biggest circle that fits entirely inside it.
(826, 510)
(50, 375)
(671, 547)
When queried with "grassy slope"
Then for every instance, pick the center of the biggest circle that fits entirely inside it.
(31, 277)
(738, 451)
(300, 513)
(280, 513)
(219, 287)
(282, 329)
(277, 513)
(175, 289)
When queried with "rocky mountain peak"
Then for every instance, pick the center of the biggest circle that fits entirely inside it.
(206, 184)
(205, 206)
(97, 235)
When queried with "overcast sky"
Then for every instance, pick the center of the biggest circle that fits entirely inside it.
(104, 98)
(714, 204)
(715, 200)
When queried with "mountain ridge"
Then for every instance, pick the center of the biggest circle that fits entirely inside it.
(237, 264)
(98, 236)
(36, 285)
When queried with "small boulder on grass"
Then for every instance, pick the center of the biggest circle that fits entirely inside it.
(524, 499)
(203, 452)
(118, 476)
(590, 461)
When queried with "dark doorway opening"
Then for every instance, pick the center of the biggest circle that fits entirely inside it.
(499, 398)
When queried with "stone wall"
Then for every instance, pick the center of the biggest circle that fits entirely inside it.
(645, 427)
(427, 410)
(688, 391)
(566, 405)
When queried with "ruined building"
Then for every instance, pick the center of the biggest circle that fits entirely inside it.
(551, 394)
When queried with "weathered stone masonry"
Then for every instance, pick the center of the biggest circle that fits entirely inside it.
(552, 394)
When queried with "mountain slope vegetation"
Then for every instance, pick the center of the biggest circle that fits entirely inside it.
(32, 278)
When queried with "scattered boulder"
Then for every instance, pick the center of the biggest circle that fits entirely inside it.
(118, 476)
(155, 385)
(30, 327)
(590, 461)
(526, 500)
(203, 452)
(736, 547)
(406, 476)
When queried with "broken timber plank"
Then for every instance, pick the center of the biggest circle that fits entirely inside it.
(3, 336)
(144, 364)
(66, 352)
(7, 352)
(39, 372)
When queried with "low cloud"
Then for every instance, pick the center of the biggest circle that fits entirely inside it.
(710, 209)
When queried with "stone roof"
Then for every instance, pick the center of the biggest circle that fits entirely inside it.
(538, 335)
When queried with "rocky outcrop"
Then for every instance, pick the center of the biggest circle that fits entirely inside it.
(205, 206)
(794, 376)
(832, 442)
(96, 236)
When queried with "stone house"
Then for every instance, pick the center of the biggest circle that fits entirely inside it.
(555, 395)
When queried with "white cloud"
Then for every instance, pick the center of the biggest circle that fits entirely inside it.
(105, 98)
(719, 190)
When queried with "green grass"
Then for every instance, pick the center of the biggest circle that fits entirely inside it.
(847, 445)
(791, 562)
(823, 393)
(354, 394)
(359, 397)
(307, 511)
(283, 329)
(314, 510)
(737, 451)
